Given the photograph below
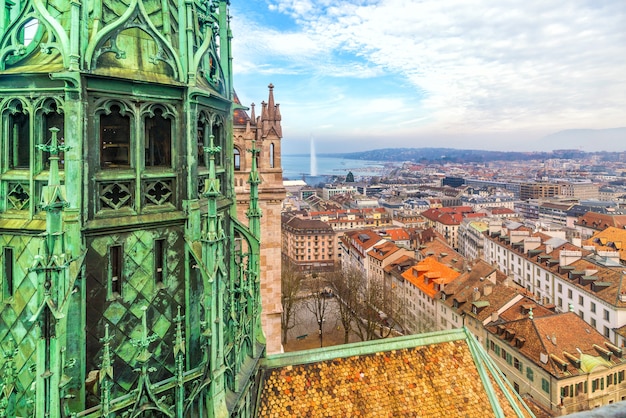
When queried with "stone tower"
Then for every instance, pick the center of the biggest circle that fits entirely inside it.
(265, 133)
(127, 285)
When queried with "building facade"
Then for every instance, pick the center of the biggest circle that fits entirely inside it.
(309, 244)
(265, 134)
(561, 274)
(538, 190)
(129, 287)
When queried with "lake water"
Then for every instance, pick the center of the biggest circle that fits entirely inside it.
(296, 167)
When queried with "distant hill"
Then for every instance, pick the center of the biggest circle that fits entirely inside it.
(569, 144)
(451, 155)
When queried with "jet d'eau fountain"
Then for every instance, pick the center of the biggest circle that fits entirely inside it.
(313, 157)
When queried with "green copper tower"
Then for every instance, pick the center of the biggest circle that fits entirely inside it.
(128, 288)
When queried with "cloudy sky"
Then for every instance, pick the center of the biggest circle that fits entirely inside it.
(501, 75)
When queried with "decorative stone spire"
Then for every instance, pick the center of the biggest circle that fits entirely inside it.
(212, 190)
(7, 376)
(254, 212)
(271, 107)
(105, 376)
(252, 114)
(271, 116)
(179, 357)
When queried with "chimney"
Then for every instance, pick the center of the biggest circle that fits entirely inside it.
(487, 289)
(568, 257)
(475, 294)
(494, 316)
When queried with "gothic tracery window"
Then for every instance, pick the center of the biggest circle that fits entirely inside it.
(114, 139)
(201, 139)
(158, 145)
(19, 138)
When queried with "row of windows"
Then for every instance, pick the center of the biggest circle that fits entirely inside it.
(611, 379)
(16, 127)
(510, 359)
(308, 257)
(115, 132)
(115, 272)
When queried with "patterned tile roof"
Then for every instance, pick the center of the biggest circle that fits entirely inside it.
(438, 247)
(446, 373)
(554, 340)
(600, 221)
(610, 239)
(483, 287)
(605, 283)
(383, 250)
(428, 274)
(240, 116)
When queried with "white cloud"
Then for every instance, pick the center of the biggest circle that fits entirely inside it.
(474, 66)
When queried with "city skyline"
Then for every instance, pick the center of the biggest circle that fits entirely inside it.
(365, 74)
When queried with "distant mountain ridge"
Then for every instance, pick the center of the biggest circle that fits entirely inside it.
(568, 143)
(452, 155)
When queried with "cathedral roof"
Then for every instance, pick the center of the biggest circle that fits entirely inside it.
(240, 116)
(445, 373)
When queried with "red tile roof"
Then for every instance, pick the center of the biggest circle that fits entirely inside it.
(436, 377)
(428, 273)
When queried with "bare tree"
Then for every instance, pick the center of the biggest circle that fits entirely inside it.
(291, 283)
(317, 303)
(346, 285)
(368, 316)
(368, 309)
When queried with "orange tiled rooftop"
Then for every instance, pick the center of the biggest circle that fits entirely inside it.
(437, 375)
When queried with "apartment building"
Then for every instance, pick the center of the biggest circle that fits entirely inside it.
(555, 211)
(309, 244)
(329, 192)
(439, 249)
(592, 222)
(471, 238)
(351, 219)
(408, 219)
(611, 239)
(538, 190)
(477, 297)
(353, 249)
(481, 202)
(558, 360)
(580, 190)
(421, 285)
(446, 221)
(556, 272)
(399, 236)
(379, 258)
